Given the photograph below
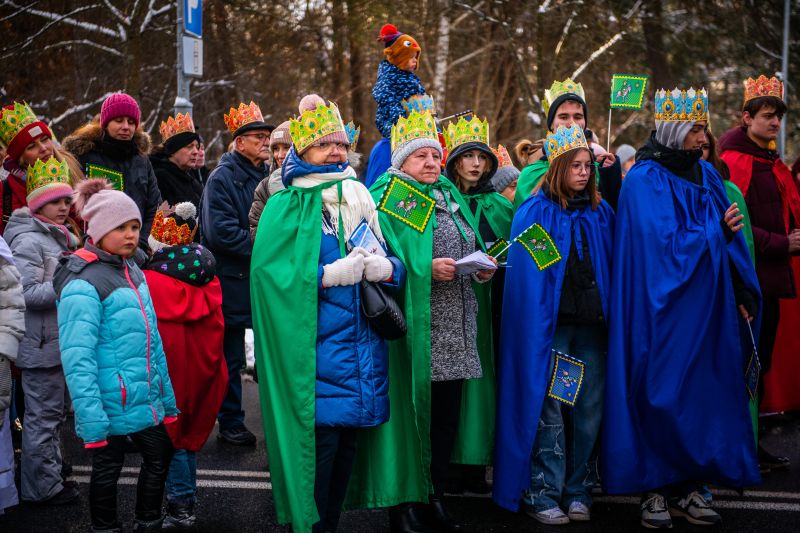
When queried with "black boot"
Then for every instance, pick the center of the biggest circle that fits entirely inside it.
(403, 518)
(441, 518)
(152, 526)
(180, 516)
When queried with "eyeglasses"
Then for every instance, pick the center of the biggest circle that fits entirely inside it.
(577, 167)
(260, 137)
(329, 147)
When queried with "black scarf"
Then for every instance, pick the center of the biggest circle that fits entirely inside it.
(683, 163)
(116, 149)
(579, 201)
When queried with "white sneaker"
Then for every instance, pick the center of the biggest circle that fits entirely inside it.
(578, 512)
(695, 509)
(553, 516)
(654, 512)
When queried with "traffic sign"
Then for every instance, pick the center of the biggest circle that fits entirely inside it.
(192, 56)
(193, 17)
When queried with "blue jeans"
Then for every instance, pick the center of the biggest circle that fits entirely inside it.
(231, 414)
(564, 466)
(182, 477)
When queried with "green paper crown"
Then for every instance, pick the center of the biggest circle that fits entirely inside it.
(465, 131)
(14, 120)
(43, 173)
(568, 86)
(414, 126)
(311, 126)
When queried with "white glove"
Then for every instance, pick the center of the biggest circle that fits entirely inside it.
(345, 271)
(377, 268)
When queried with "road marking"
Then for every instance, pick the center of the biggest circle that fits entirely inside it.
(207, 483)
(201, 472)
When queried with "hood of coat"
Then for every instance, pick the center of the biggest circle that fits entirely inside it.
(484, 184)
(87, 139)
(737, 140)
(22, 221)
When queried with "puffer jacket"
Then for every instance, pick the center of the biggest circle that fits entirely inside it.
(12, 322)
(111, 350)
(87, 144)
(37, 247)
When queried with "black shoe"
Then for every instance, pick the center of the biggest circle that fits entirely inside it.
(239, 436)
(151, 526)
(66, 496)
(440, 518)
(768, 462)
(66, 470)
(180, 516)
(403, 518)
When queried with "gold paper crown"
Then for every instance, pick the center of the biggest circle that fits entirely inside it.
(14, 119)
(246, 114)
(762, 86)
(414, 126)
(166, 230)
(681, 105)
(173, 126)
(465, 131)
(314, 124)
(503, 159)
(43, 173)
(559, 88)
(564, 140)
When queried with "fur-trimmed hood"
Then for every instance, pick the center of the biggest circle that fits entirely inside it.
(87, 138)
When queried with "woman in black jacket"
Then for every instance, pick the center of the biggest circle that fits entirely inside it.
(175, 159)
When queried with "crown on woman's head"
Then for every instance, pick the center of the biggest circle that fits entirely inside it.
(314, 124)
(13, 119)
(414, 126)
(564, 140)
(681, 105)
(181, 123)
(419, 103)
(353, 134)
(464, 131)
(503, 159)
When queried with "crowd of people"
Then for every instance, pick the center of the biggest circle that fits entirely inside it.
(593, 320)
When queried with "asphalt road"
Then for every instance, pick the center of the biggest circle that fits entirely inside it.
(235, 496)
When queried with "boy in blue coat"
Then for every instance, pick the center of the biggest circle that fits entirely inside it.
(112, 356)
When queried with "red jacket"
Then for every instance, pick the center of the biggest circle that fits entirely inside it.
(192, 329)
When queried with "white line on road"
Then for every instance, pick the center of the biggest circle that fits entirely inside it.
(209, 483)
(201, 472)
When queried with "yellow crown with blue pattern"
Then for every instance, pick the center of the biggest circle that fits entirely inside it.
(419, 103)
(681, 105)
(414, 126)
(563, 141)
(568, 86)
(465, 131)
(314, 124)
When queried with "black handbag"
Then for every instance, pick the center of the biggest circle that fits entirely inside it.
(382, 311)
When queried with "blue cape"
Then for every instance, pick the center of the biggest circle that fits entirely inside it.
(530, 311)
(380, 159)
(676, 406)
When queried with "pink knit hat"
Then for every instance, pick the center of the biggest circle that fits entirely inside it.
(119, 105)
(103, 208)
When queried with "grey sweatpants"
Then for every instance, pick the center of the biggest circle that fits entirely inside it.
(45, 408)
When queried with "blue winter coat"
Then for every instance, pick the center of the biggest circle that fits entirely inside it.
(225, 230)
(111, 351)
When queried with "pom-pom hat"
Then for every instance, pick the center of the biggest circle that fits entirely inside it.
(398, 47)
(103, 208)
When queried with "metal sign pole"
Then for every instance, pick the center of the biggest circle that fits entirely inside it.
(183, 103)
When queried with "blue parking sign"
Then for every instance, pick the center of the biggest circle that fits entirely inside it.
(193, 17)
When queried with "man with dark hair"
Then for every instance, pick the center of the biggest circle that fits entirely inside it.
(774, 204)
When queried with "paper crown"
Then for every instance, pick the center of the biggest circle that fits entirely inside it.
(559, 88)
(353, 133)
(173, 126)
(419, 103)
(13, 119)
(464, 131)
(503, 159)
(681, 105)
(762, 86)
(315, 124)
(166, 230)
(564, 140)
(45, 173)
(244, 115)
(414, 126)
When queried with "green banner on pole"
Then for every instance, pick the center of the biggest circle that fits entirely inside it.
(627, 90)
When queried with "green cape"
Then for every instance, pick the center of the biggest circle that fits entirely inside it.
(475, 437)
(283, 287)
(393, 460)
(529, 178)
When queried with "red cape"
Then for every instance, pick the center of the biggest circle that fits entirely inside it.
(192, 329)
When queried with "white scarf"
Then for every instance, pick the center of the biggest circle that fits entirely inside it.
(355, 205)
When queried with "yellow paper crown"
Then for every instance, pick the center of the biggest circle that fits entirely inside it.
(559, 88)
(414, 126)
(315, 124)
(244, 115)
(762, 86)
(13, 119)
(564, 140)
(503, 159)
(173, 126)
(43, 173)
(465, 131)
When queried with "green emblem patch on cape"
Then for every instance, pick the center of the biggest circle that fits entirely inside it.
(407, 204)
(540, 245)
(114, 177)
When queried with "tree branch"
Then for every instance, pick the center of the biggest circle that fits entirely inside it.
(86, 42)
(67, 19)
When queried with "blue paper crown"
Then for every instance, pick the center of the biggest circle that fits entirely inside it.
(353, 133)
(419, 103)
(564, 140)
(681, 105)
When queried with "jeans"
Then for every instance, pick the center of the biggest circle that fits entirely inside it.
(564, 459)
(231, 414)
(182, 477)
(156, 449)
(336, 452)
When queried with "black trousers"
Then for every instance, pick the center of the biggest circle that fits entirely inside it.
(445, 412)
(770, 316)
(156, 449)
(336, 451)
